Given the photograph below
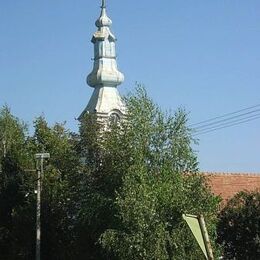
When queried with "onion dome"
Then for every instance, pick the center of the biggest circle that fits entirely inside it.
(103, 20)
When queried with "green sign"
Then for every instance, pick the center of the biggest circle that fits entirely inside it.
(194, 225)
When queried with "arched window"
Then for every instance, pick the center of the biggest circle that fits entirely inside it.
(114, 118)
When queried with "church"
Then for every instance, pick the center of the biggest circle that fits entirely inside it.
(106, 103)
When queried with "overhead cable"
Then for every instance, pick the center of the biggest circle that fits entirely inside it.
(225, 115)
(226, 120)
(229, 119)
(227, 125)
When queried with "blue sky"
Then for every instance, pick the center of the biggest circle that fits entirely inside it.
(202, 55)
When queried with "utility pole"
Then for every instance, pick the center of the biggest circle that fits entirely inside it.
(206, 237)
(39, 162)
(4, 146)
(4, 152)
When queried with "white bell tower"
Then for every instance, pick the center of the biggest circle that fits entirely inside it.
(105, 101)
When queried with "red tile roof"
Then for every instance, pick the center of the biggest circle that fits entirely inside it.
(228, 184)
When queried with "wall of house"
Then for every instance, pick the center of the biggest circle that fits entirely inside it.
(228, 184)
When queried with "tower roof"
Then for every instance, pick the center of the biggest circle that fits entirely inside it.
(103, 19)
(105, 76)
(105, 71)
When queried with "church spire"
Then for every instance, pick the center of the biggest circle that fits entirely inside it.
(103, 20)
(105, 76)
(103, 4)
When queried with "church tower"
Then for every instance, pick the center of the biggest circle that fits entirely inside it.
(105, 101)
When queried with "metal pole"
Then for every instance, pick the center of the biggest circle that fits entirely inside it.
(4, 145)
(206, 238)
(38, 213)
(39, 159)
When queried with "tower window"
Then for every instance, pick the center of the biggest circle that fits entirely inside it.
(114, 118)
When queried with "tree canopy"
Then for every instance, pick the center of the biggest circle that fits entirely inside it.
(18, 182)
(114, 193)
(146, 177)
(239, 226)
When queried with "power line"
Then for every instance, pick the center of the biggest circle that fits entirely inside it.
(229, 119)
(231, 122)
(225, 115)
(227, 125)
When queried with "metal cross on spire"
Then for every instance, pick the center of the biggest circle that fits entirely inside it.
(103, 4)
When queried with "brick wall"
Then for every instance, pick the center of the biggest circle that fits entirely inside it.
(228, 184)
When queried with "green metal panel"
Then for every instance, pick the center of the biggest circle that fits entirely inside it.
(194, 225)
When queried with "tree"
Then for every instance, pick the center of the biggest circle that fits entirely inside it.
(18, 182)
(13, 135)
(93, 195)
(117, 193)
(145, 177)
(16, 225)
(239, 226)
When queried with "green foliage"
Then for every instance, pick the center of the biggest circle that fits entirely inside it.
(239, 226)
(146, 177)
(94, 191)
(18, 182)
(16, 225)
(13, 133)
(116, 193)
(57, 190)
